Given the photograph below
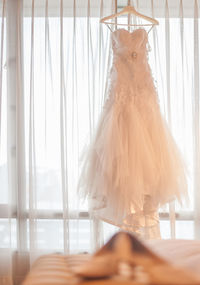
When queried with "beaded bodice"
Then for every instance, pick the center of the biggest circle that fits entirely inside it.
(130, 73)
(130, 46)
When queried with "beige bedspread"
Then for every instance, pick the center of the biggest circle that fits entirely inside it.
(184, 253)
(182, 267)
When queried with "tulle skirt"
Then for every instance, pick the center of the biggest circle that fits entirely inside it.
(133, 161)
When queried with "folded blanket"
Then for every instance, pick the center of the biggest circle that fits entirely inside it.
(124, 259)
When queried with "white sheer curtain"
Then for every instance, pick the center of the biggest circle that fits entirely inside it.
(54, 60)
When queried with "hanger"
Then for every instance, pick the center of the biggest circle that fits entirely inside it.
(129, 10)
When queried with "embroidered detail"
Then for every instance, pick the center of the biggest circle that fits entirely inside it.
(134, 55)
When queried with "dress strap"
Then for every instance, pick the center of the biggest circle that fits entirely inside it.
(151, 28)
(109, 27)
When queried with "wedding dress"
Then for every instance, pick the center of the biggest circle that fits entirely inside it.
(133, 165)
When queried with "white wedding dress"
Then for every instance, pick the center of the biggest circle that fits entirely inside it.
(133, 165)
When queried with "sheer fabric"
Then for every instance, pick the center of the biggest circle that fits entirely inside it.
(133, 165)
(54, 59)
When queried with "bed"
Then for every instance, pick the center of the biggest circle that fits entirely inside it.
(183, 257)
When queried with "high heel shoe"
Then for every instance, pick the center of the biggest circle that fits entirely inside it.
(125, 257)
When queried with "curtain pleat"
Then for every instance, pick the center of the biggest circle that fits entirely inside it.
(1, 60)
(196, 123)
(168, 75)
(20, 136)
(63, 139)
(182, 52)
(90, 59)
(32, 176)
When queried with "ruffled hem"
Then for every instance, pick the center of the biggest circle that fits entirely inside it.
(133, 156)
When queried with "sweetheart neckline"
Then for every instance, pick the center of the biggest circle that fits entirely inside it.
(130, 33)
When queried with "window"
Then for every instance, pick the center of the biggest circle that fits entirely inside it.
(64, 78)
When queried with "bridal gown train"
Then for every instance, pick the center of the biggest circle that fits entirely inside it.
(133, 165)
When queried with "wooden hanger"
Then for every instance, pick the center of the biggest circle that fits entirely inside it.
(129, 10)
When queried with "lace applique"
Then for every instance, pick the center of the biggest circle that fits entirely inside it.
(130, 68)
(125, 163)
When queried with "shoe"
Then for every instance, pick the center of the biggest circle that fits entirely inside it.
(125, 257)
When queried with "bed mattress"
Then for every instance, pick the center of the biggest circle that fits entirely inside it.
(183, 255)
